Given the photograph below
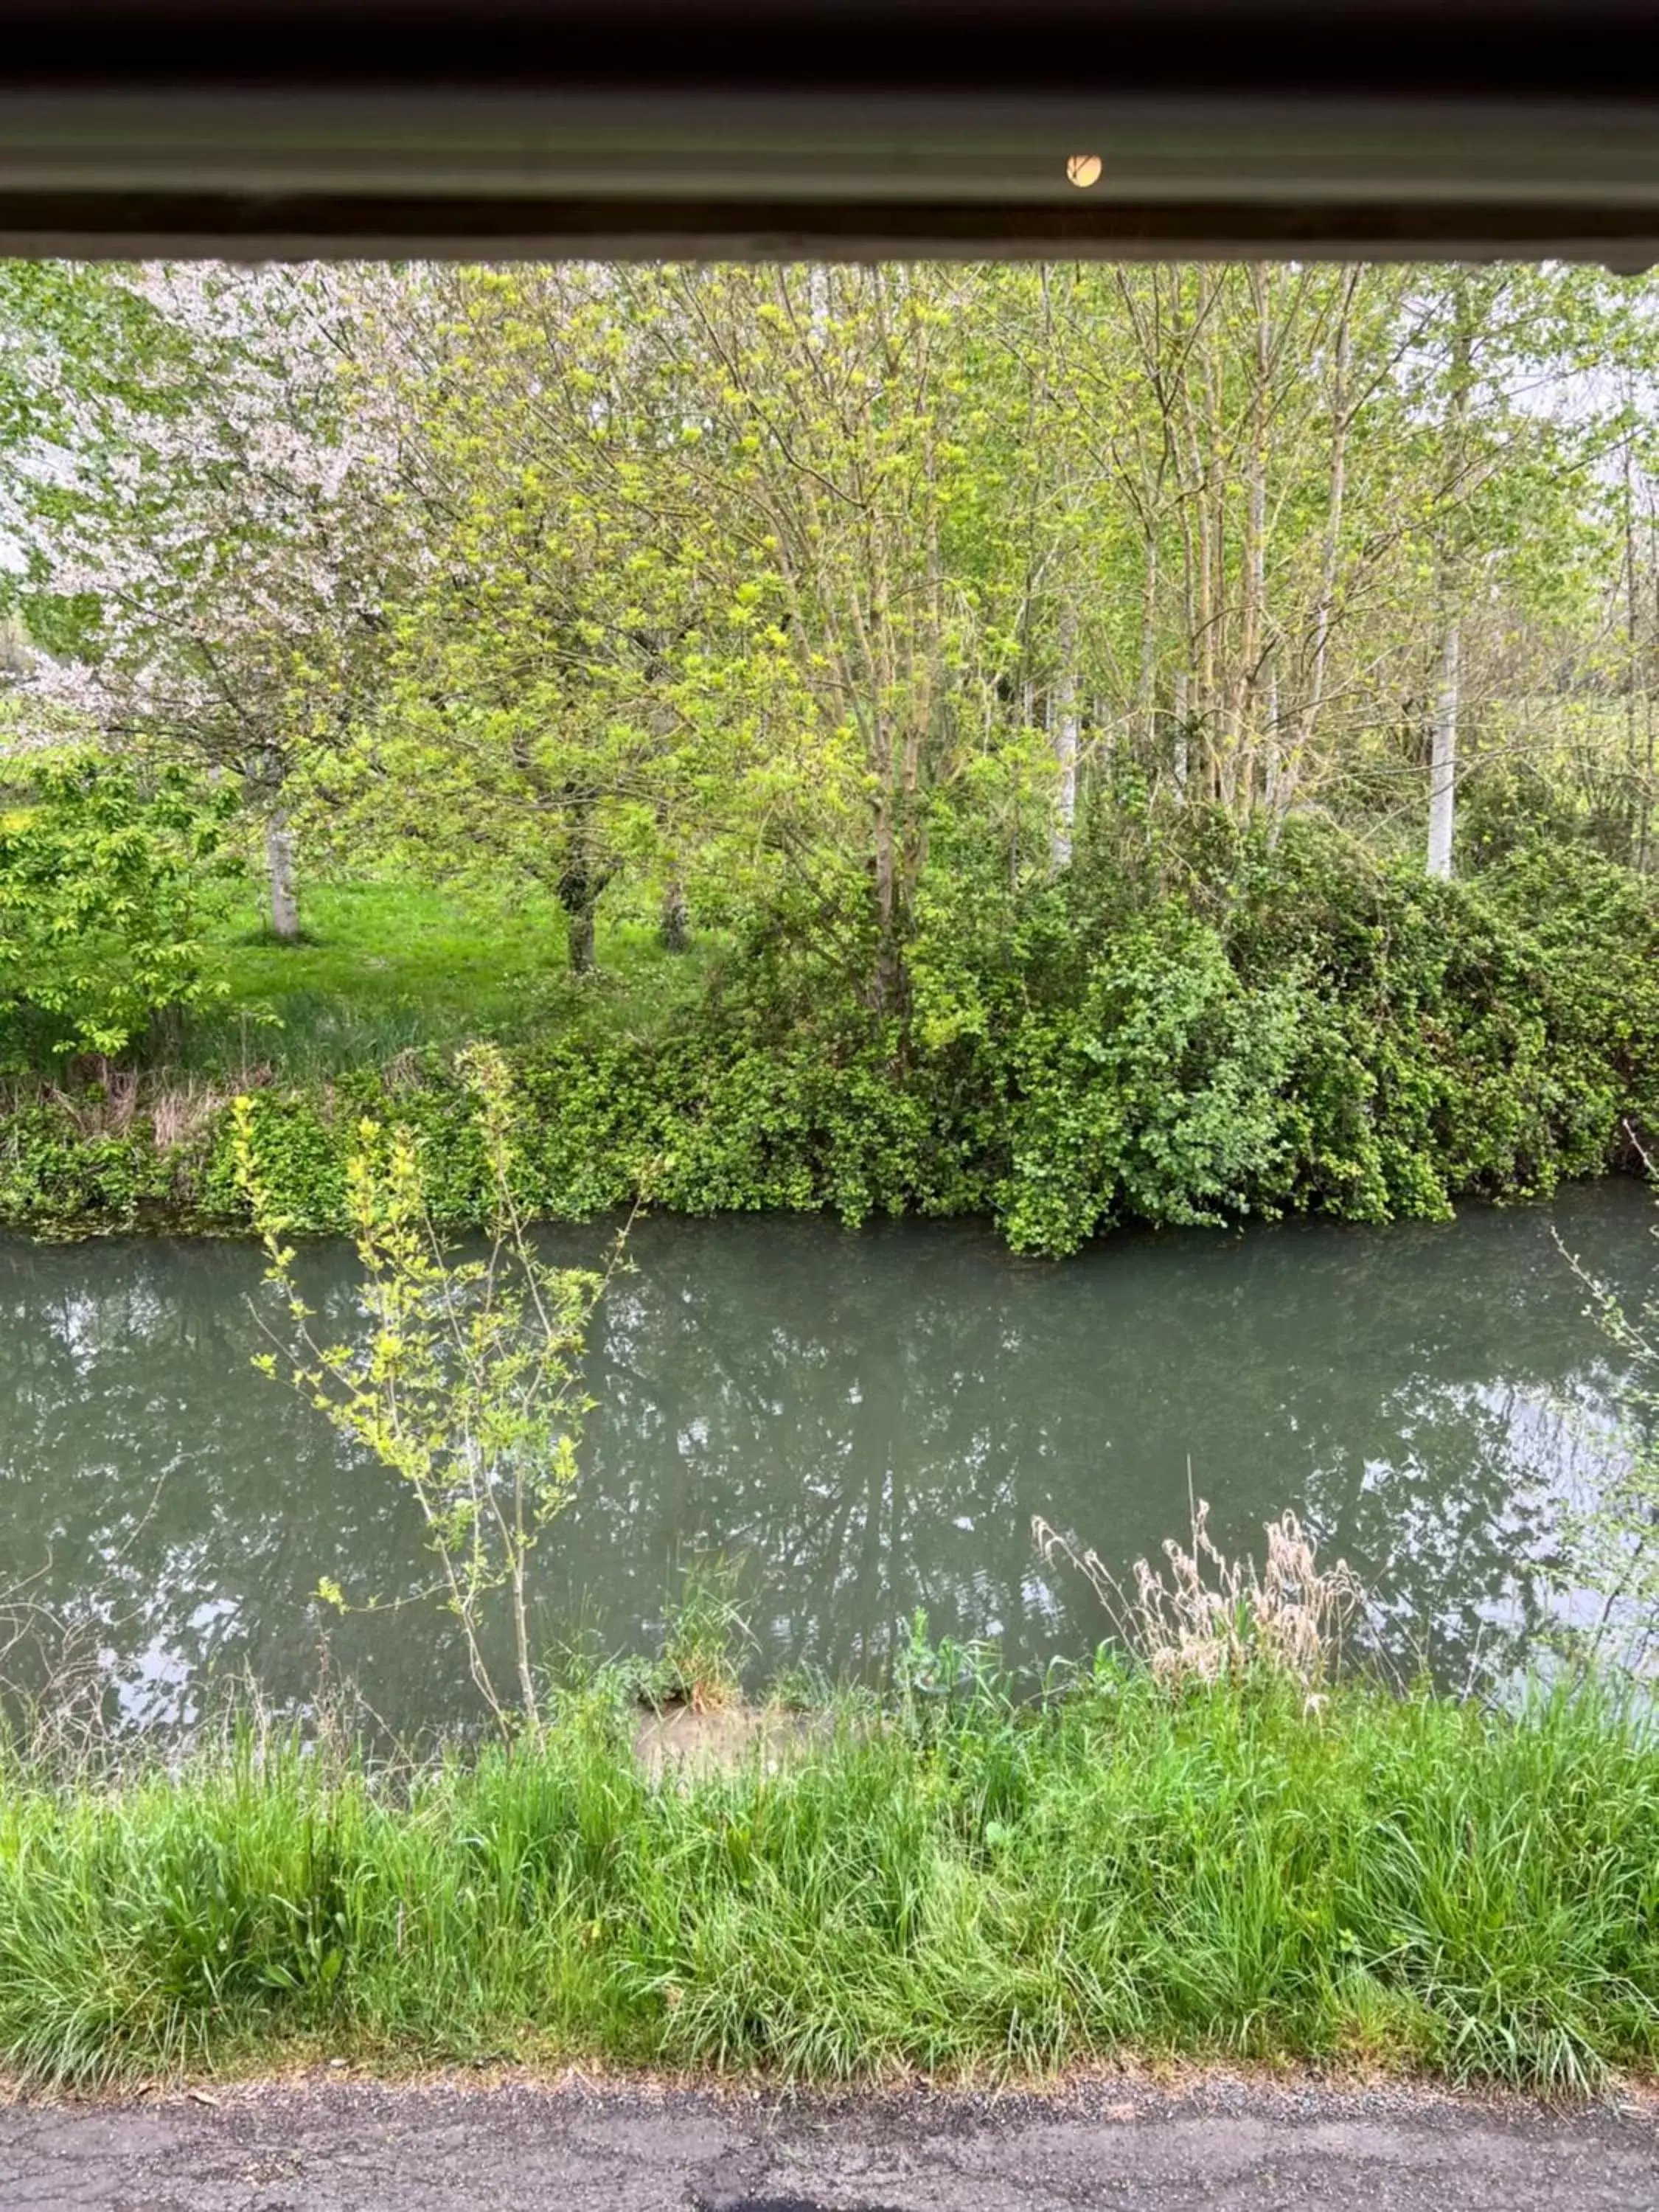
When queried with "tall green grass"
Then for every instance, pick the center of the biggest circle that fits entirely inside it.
(1384, 1879)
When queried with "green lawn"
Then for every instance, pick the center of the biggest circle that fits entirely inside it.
(388, 966)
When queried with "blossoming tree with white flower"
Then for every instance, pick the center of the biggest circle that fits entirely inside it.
(212, 513)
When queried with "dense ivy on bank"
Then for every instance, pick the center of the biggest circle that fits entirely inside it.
(1297, 1030)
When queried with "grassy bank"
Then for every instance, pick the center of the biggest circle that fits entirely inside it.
(1412, 1882)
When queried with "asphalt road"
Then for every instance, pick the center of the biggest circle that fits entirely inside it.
(333, 2146)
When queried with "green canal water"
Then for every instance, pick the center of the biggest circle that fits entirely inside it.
(867, 1421)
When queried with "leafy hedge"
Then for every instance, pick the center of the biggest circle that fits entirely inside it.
(1307, 1032)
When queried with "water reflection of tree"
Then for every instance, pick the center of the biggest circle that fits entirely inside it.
(161, 1482)
(872, 1419)
(1383, 1385)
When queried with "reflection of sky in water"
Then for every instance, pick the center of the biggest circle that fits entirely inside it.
(157, 1686)
(869, 1421)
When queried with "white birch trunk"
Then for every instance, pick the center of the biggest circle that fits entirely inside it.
(1064, 738)
(1443, 771)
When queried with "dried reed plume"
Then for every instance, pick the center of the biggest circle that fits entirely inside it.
(1210, 1619)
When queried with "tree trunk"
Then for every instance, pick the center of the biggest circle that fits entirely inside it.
(1633, 662)
(279, 871)
(582, 879)
(1442, 772)
(1244, 705)
(674, 929)
(1182, 762)
(580, 939)
(1645, 816)
(887, 976)
(1273, 752)
(1331, 546)
(1146, 676)
(1442, 765)
(1220, 766)
(1065, 728)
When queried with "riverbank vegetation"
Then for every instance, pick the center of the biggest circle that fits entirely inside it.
(1068, 745)
(1232, 1833)
(1235, 1832)
(960, 1885)
(1294, 1031)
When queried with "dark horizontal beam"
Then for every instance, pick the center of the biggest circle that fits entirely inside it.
(132, 224)
(832, 127)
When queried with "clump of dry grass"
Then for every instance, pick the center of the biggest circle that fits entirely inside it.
(1205, 1618)
(54, 1683)
(183, 1111)
(101, 1100)
(103, 1108)
(405, 1070)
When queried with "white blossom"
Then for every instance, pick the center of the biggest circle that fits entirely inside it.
(227, 514)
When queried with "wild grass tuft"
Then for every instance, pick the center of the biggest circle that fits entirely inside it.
(706, 1640)
(977, 1886)
(1206, 1618)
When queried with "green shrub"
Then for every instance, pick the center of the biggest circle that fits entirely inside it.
(99, 897)
(1300, 1030)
